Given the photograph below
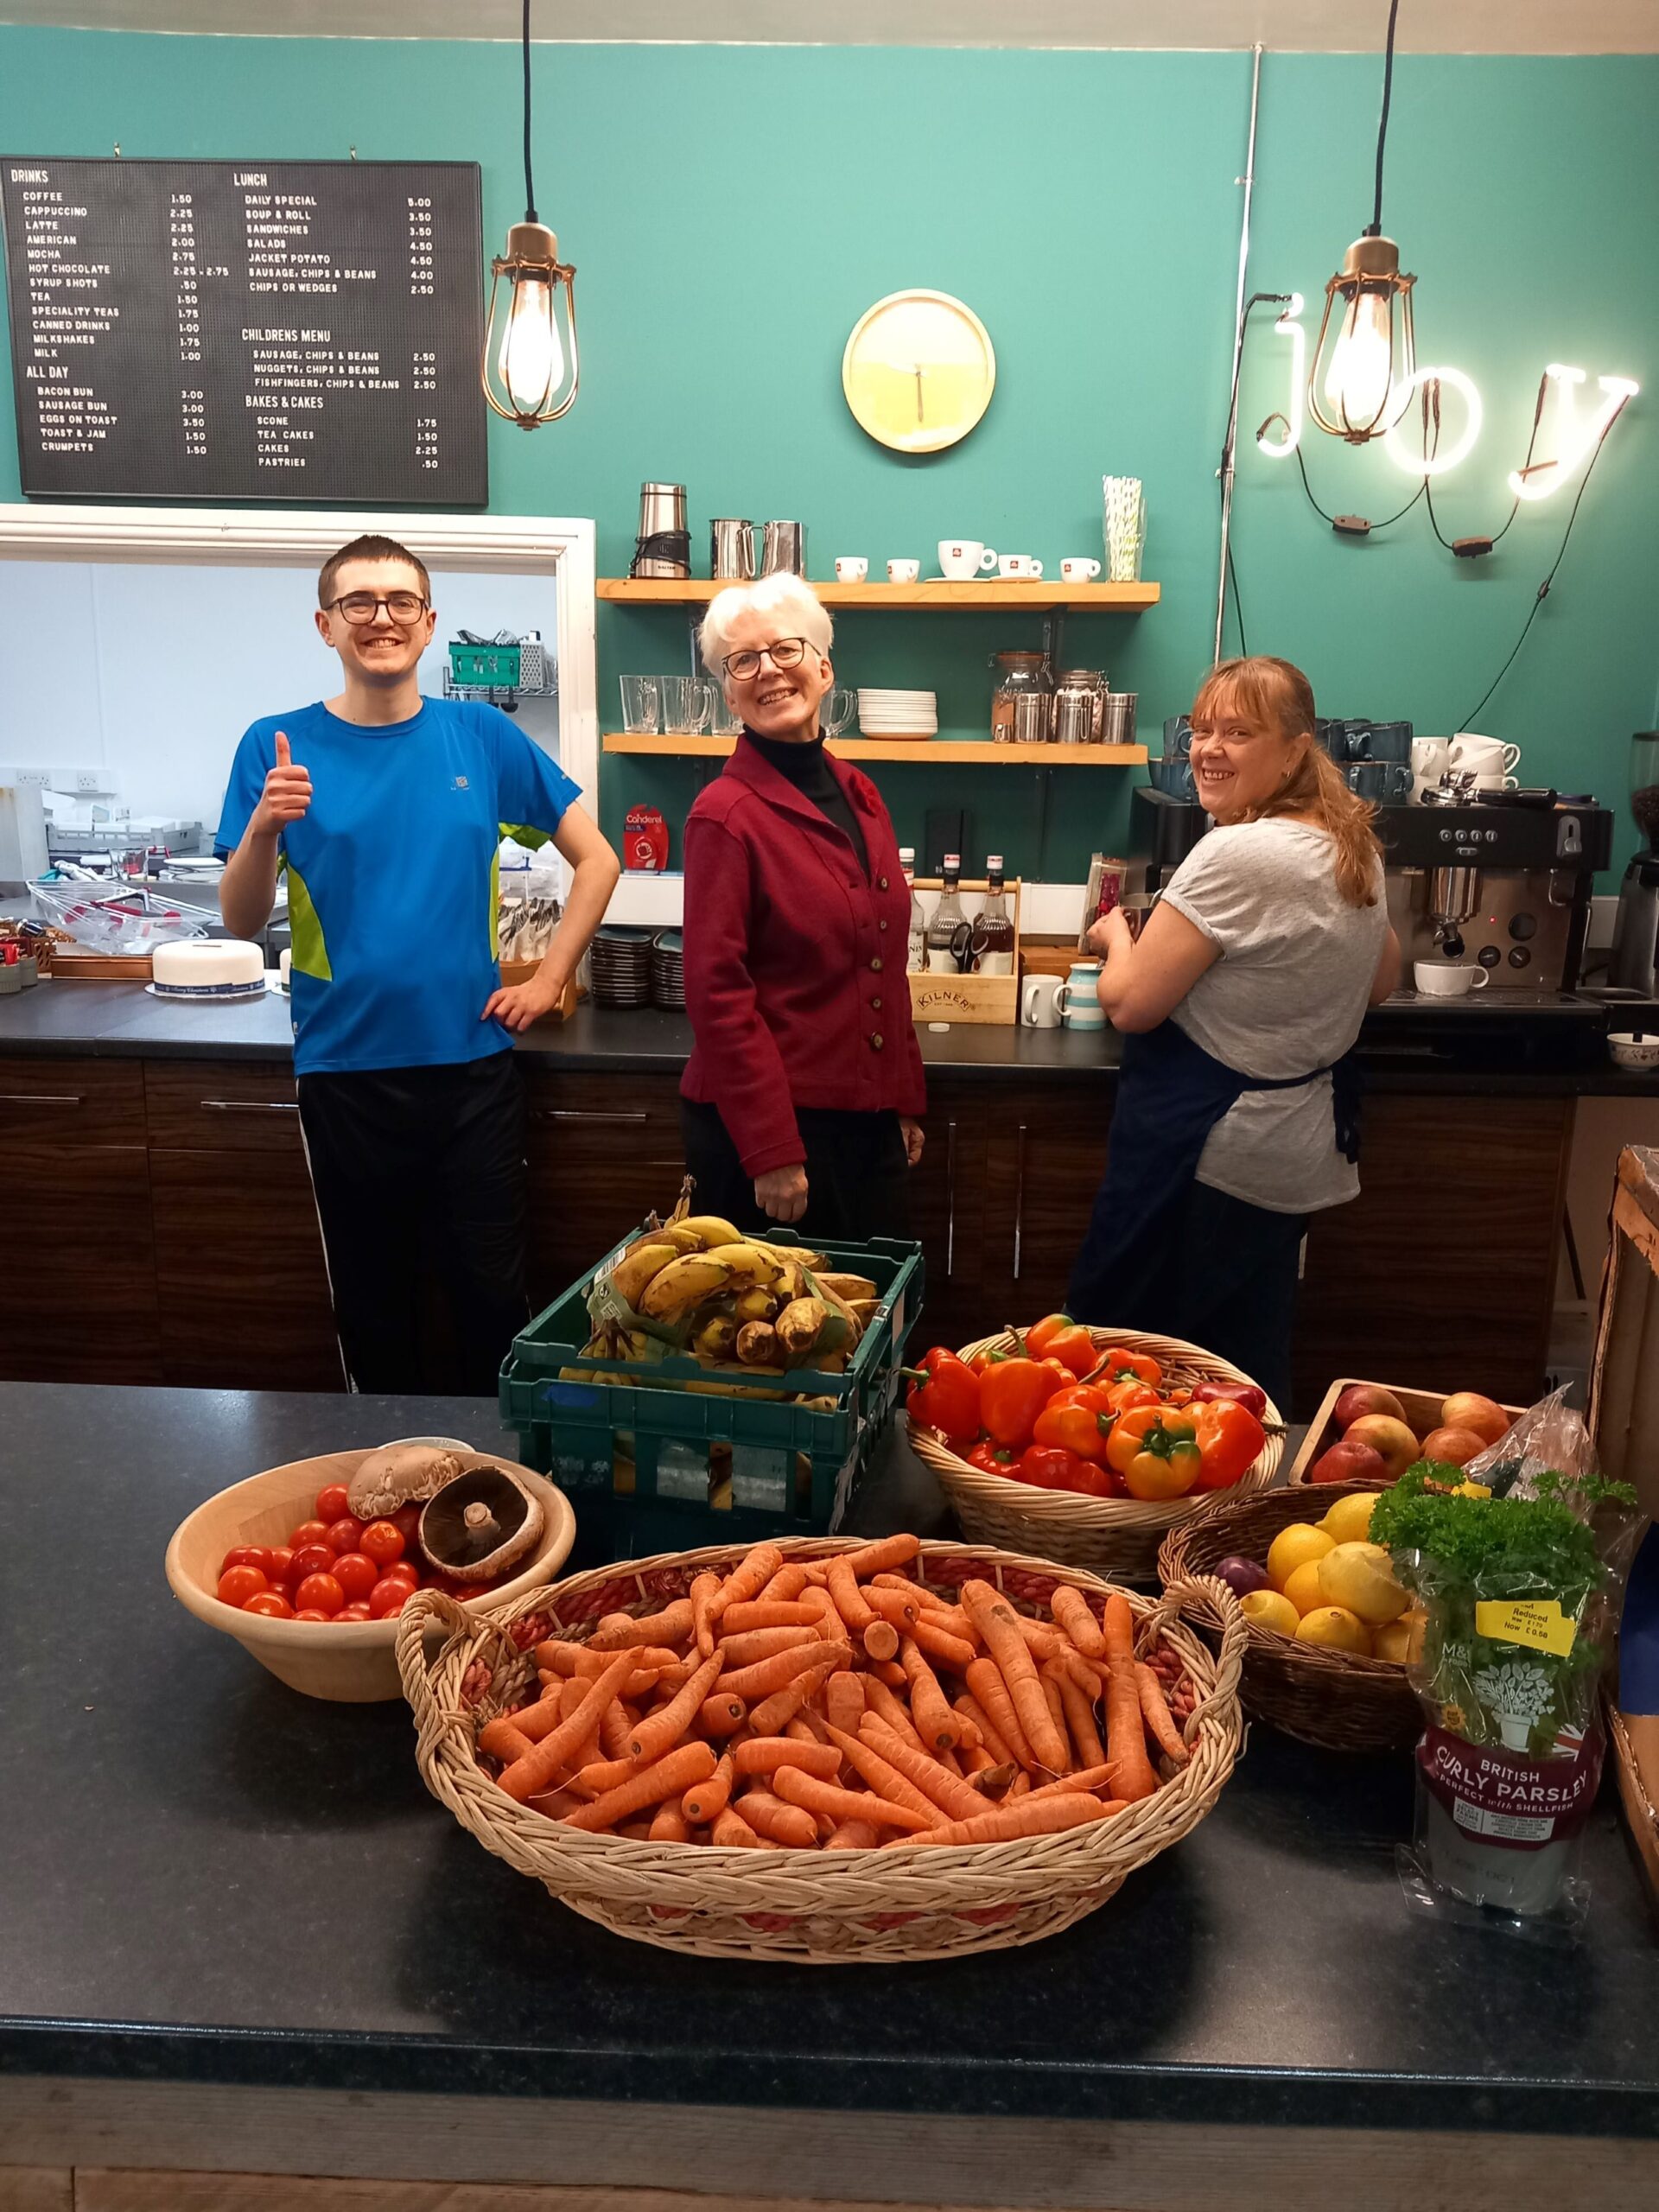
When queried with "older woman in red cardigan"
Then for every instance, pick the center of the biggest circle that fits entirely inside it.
(802, 1096)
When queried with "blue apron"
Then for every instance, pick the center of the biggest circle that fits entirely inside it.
(1171, 1095)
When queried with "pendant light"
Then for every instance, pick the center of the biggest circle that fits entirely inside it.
(529, 371)
(1353, 392)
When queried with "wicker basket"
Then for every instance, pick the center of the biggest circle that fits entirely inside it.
(831, 1909)
(1331, 1699)
(1117, 1536)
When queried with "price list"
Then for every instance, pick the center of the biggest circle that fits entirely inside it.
(247, 331)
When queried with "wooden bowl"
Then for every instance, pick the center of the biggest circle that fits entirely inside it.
(352, 1663)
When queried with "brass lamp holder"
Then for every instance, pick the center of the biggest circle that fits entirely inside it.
(532, 250)
(1370, 264)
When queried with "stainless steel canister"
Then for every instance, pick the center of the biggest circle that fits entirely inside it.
(1117, 725)
(1074, 716)
(1032, 724)
(731, 549)
(784, 549)
(664, 548)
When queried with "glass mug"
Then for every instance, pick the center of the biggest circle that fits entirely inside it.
(686, 705)
(642, 706)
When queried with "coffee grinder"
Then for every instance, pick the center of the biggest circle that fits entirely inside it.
(1635, 962)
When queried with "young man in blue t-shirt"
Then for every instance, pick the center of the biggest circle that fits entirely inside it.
(386, 808)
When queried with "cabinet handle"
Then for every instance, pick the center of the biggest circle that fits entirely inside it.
(40, 1098)
(581, 1113)
(1018, 1198)
(249, 1106)
(949, 1199)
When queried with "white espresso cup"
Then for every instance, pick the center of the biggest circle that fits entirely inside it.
(903, 572)
(1079, 1008)
(1039, 1003)
(1438, 980)
(1078, 570)
(1430, 758)
(1488, 757)
(1019, 567)
(851, 571)
(960, 558)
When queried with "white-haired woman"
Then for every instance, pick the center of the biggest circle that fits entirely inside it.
(799, 1102)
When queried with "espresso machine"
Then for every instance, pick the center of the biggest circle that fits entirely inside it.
(1635, 963)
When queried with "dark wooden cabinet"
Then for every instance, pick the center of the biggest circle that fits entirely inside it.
(947, 1209)
(604, 1151)
(1045, 1155)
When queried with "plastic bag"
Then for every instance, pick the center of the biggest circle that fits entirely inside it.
(134, 920)
(1548, 1437)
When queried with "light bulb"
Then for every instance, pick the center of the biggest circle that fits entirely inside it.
(1362, 360)
(531, 361)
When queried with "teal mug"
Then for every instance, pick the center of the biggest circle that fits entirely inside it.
(1079, 1008)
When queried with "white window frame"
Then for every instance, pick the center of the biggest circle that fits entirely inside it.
(260, 538)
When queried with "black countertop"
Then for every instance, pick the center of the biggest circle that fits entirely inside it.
(1540, 1047)
(209, 1879)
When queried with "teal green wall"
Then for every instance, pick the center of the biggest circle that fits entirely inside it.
(732, 210)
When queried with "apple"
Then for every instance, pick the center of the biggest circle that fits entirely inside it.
(1361, 1398)
(1389, 1437)
(1457, 1446)
(1353, 1460)
(1468, 1409)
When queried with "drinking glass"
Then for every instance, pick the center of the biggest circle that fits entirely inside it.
(642, 706)
(836, 710)
(722, 722)
(685, 704)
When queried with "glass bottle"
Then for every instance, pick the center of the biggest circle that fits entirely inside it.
(948, 918)
(916, 956)
(992, 941)
(1021, 676)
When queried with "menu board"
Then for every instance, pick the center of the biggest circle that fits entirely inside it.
(247, 330)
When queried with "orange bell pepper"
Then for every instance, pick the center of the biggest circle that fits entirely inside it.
(1156, 1450)
(1011, 1393)
(1074, 1427)
(1229, 1439)
(1117, 1365)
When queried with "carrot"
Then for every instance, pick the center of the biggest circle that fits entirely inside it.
(773, 1713)
(664, 1729)
(619, 1632)
(756, 1612)
(831, 1626)
(615, 1730)
(502, 1739)
(1079, 1711)
(1020, 1786)
(598, 1776)
(971, 1739)
(842, 1584)
(843, 1702)
(747, 1579)
(638, 1831)
(1048, 1642)
(890, 1551)
(759, 1644)
(777, 1823)
(666, 1777)
(880, 1700)
(881, 1639)
(1090, 1779)
(555, 1803)
(671, 1826)
(895, 1605)
(889, 1673)
(702, 1628)
(972, 1712)
(731, 1830)
(815, 1796)
(1126, 1736)
(928, 1601)
(787, 1584)
(872, 1762)
(1154, 1710)
(571, 1695)
(852, 1836)
(1032, 1815)
(976, 1760)
(930, 1709)
(1071, 1609)
(952, 1795)
(706, 1800)
(585, 1665)
(764, 1755)
(953, 1651)
(769, 1675)
(1050, 1689)
(721, 1714)
(999, 1628)
(543, 1761)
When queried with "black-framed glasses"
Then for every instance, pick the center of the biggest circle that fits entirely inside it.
(402, 606)
(783, 653)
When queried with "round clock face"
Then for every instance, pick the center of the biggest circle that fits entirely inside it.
(919, 371)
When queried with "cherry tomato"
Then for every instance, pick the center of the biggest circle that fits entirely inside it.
(353, 1612)
(391, 1594)
(401, 1570)
(271, 1604)
(356, 1575)
(281, 1569)
(384, 1541)
(320, 1593)
(309, 1532)
(312, 1613)
(312, 1559)
(346, 1535)
(332, 1500)
(406, 1520)
(247, 1555)
(238, 1584)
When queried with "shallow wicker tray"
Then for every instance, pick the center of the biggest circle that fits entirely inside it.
(823, 1908)
(1117, 1536)
(1330, 1699)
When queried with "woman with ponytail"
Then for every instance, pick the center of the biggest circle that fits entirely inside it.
(1240, 1005)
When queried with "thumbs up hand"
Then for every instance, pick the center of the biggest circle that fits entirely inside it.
(286, 794)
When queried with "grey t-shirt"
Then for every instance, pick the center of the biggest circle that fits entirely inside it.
(1287, 996)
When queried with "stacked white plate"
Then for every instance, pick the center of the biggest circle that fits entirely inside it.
(898, 714)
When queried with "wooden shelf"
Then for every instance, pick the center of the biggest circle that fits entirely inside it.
(919, 752)
(992, 595)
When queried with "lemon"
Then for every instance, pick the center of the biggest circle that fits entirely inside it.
(1337, 1628)
(1360, 1577)
(1303, 1589)
(1268, 1609)
(1349, 1520)
(1292, 1547)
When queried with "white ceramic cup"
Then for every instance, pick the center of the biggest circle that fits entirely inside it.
(851, 571)
(961, 558)
(903, 572)
(1039, 1003)
(1019, 567)
(1077, 570)
(1437, 980)
(1487, 756)
(1430, 758)
(1079, 1008)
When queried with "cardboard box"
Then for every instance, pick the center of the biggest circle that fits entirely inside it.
(1421, 1408)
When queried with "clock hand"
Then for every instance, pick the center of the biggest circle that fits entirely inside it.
(920, 415)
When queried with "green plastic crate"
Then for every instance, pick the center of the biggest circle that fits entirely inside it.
(493, 666)
(707, 1469)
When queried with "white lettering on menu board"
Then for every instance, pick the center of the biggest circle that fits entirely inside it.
(195, 329)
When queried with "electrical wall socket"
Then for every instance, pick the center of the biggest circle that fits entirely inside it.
(90, 780)
(22, 778)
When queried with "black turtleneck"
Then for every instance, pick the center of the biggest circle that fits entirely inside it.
(808, 770)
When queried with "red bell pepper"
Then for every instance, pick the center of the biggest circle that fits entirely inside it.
(1229, 1439)
(1041, 1334)
(1074, 1427)
(1249, 1395)
(1012, 1394)
(944, 1396)
(993, 1458)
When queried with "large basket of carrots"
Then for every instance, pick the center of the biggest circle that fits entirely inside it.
(827, 1752)
(1016, 1491)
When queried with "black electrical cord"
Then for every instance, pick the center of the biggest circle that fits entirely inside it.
(1370, 527)
(1543, 589)
(529, 189)
(1375, 230)
(1230, 442)
(1238, 604)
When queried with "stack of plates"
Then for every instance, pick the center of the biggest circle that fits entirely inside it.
(898, 714)
(621, 966)
(668, 969)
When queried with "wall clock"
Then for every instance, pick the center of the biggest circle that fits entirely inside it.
(919, 371)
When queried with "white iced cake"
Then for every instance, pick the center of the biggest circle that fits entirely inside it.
(216, 967)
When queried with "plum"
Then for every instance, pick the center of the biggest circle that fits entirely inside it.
(1242, 1575)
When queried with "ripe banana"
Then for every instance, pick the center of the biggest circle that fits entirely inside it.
(636, 1268)
(681, 1236)
(801, 1323)
(713, 1229)
(758, 1345)
(790, 1283)
(749, 1263)
(756, 1306)
(851, 1289)
(716, 1339)
(864, 1310)
(684, 1282)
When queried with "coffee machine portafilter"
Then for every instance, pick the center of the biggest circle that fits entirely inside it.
(1454, 899)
